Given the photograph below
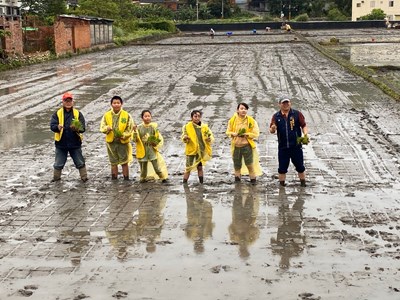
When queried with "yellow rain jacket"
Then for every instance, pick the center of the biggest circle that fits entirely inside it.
(140, 153)
(140, 149)
(192, 145)
(60, 115)
(253, 132)
(123, 122)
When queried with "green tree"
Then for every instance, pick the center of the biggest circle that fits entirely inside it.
(215, 8)
(335, 14)
(344, 6)
(98, 8)
(376, 14)
(4, 33)
(44, 8)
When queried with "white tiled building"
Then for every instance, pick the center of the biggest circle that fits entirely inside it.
(10, 8)
(364, 7)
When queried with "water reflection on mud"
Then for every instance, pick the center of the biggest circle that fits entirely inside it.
(85, 66)
(290, 240)
(243, 230)
(77, 241)
(382, 54)
(199, 213)
(129, 226)
(150, 220)
(121, 231)
(15, 132)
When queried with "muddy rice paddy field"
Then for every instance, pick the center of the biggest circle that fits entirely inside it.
(337, 238)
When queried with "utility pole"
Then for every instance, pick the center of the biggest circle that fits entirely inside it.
(222, 9)
(197, 10)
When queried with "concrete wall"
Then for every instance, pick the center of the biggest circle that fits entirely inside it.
(277, 25)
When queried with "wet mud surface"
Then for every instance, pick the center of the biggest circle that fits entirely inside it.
(337, 238)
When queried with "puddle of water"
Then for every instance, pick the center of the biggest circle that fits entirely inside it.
(200, 90)
(371, 54)
(16, 132)
(30, 82)
(96, 88)
(208, 79)
(34, 129)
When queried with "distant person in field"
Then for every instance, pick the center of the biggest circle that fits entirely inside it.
(212, 33)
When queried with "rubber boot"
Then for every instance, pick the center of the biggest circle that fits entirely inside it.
(56, 175)
(83, 173)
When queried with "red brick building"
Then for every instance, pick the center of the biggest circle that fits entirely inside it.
(75, 33)
(11, 44)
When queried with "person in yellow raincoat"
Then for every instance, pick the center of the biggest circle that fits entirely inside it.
(118, 125)
(148, 141)
(198, 139)
(243, 129)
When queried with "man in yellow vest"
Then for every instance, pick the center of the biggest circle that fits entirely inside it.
(68, 124)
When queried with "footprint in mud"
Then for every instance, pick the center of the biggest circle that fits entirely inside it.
(80, 296)
(120, 294)
(308, 296)
(217, 269)
(26, 291)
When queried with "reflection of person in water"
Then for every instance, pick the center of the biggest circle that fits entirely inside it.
(289, 241)
(130, 227)
(75, 239)
(244, 230)
(121, 231)
(78, 240)
(199, 211)
(150, 220)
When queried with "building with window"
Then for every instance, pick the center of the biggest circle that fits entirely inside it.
(10, 21)
(10, 8)
(364, 7)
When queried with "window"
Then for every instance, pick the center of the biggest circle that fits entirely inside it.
(358, 4)
(372, 4)
(391, 3)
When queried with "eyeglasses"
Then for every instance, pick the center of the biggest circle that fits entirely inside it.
(68, 100)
